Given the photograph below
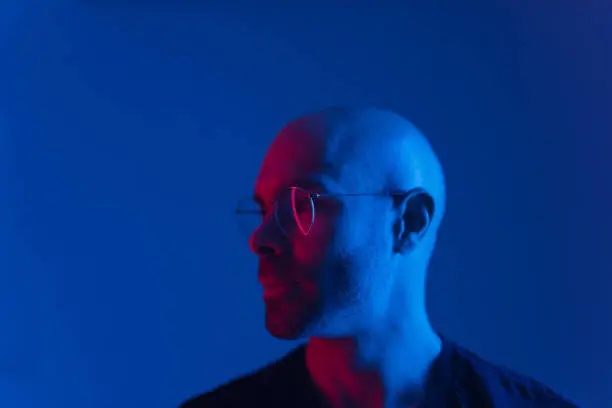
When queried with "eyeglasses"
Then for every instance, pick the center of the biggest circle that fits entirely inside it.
(293, 211)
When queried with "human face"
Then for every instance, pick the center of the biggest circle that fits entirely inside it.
(320, 284)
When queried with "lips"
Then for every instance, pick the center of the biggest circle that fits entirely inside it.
(272, 278)
(276, 282)
(272, 288)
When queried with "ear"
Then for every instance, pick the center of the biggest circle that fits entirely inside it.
(415, 212)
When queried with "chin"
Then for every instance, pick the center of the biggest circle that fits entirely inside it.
(290, 319)
(286, 330)
(289, 324)
(282, 333)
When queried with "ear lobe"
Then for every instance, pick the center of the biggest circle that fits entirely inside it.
(407, 243)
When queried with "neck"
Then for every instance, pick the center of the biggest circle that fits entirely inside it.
(387, 367)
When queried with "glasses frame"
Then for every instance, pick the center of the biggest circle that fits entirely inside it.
(315, 196)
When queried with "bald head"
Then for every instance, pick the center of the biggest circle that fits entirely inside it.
(371, 196)
(366, 150)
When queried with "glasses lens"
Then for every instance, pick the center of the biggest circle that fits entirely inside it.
(249, 217)
(295, 212)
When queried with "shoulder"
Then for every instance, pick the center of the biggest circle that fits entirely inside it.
(257, 388)
(503, 384)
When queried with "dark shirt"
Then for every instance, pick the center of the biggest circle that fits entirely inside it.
(459, 379)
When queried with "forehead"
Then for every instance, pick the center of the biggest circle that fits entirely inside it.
(299, 155)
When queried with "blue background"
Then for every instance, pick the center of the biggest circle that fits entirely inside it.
(128, 131)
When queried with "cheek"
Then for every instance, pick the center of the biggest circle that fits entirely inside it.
(362, 253)
(338, 235)
(322, 243)
(318, 246)
(341, 252)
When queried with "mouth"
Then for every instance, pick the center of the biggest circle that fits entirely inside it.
(277, 290)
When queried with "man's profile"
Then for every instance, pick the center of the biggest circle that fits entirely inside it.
(348, 203)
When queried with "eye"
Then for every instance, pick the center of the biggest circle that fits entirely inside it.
(303, 205)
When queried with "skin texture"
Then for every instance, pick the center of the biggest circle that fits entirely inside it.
(355, 287)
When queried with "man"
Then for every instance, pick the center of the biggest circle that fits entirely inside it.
(350, 201)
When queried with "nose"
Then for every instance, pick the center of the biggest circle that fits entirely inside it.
(267, 239)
